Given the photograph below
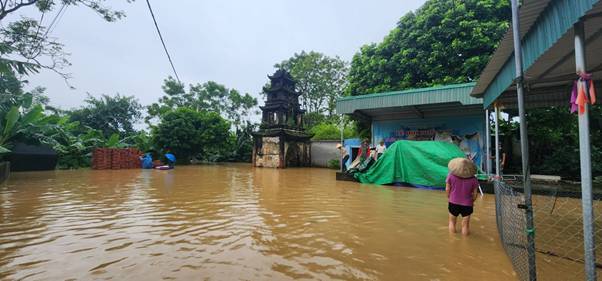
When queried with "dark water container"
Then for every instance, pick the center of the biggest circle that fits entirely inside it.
(26, 157)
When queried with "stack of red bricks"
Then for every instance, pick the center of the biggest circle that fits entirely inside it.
(132, 156)
(101, 159)
(115, 158)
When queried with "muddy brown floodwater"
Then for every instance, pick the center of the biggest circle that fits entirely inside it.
(234, 222)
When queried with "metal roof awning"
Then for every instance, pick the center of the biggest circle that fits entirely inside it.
(438, 101)
(548, 54)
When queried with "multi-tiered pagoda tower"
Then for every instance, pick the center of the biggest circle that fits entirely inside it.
(281, 141)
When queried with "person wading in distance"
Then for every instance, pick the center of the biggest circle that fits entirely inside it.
(461, 188)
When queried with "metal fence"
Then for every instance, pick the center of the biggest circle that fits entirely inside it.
(558, 219)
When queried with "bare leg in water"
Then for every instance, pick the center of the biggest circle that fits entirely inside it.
(452, 223)
(466, 225)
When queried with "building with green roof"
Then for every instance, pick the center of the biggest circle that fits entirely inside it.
(446, 113)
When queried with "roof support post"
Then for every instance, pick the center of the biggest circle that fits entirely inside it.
(342, 124)
(342, 128)
(585, 161)
(487, 144)
(372, 136)
(497, 141)
(524, 142)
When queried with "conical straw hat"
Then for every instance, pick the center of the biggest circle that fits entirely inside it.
(462, 167)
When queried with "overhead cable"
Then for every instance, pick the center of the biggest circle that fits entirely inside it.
(163, 41)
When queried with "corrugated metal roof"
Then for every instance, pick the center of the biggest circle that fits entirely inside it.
(457, 93)
(546, 21)
(529, 12)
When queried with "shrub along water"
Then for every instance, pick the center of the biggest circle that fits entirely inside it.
(330, 131)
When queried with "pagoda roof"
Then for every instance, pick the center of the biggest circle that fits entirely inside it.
(281, 74)
(281, 88)
(274, 105)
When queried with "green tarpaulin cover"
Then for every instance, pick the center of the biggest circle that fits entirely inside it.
(415, 162)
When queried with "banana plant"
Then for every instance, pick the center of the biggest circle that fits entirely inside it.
(113, 141)
(7, 65)
(74, 150)
(15, 122)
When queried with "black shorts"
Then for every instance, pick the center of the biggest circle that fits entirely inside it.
(456, 210)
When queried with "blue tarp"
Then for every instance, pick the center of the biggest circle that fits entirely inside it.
(147, 161)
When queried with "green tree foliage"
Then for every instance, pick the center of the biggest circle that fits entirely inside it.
(239, 107)
(25, 46)
(192, 134)
(10, 65)
(143, 141)
(241, 143)
(25, 117)
(209, 96)
(12, 93)
(20, 111)
(330, 131)
(311, 119)
(445, 41)
(320, 79)
(554, 141)
(74, 142)
(73, 145)
(110, 115)
(17, 122)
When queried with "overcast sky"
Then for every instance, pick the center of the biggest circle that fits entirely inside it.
(235, 43)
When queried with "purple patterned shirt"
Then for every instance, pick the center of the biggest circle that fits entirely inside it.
(461, 189)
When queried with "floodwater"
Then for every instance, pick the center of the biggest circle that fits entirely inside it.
(234, 222)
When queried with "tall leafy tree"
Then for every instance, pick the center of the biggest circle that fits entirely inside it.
(554, 141)
(12, 93)
(109, 114)
(230, 104)
(192, 134)
(25, 46)
(320, 79)
(210, 96)
(175, 96)
(445, 41)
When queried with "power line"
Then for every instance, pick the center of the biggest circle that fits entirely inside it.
(162, 41)
(40, 23)
(52, 24)
(38, 34)
(58, 18)
(54, 20)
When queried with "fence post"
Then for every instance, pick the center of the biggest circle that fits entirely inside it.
(524, 144)
(499, 205)
(585, 161)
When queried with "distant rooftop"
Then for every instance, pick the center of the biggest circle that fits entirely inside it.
(411, 103)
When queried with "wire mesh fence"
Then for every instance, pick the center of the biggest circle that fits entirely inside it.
(558, 219)
(511, 225)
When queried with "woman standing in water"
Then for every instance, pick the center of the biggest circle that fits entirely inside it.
(461, 188)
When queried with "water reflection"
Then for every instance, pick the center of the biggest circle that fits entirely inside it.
(234, 223)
